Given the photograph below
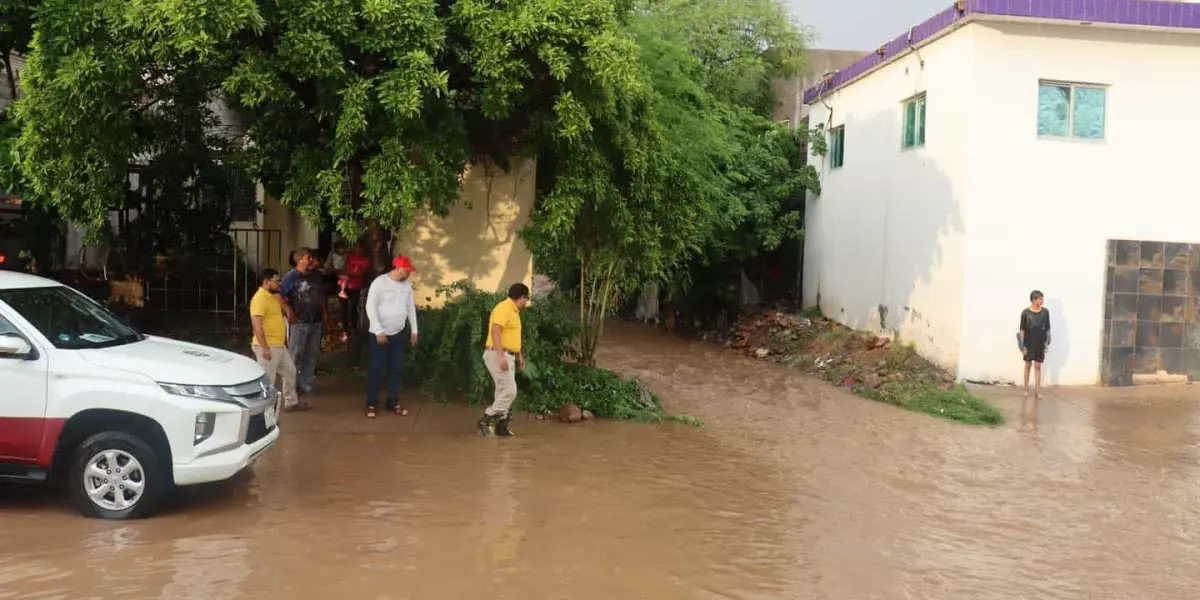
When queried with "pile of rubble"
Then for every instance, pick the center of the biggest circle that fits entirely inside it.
(780, 335)
(827, 349)
(771, 332)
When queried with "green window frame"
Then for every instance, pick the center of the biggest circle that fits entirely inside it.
(914, 122)
(1072, 110)
(837, 147)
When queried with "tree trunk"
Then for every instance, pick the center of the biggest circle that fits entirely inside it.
(378, 240)
(597, 296)
(10, 75)
(356, 345)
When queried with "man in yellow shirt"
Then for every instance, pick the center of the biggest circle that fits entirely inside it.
(270, 337)
(502, 355)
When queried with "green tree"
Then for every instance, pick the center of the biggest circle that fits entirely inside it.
(692, 171)
(10, 171)
(643, 114)
(366, 110)
(751, 166)
(370, 111)
(113, 88)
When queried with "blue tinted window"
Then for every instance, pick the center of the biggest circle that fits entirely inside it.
(1054, 110)
(1087, 116)
(1066, 110)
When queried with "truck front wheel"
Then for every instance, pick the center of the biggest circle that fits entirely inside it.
(116, 475)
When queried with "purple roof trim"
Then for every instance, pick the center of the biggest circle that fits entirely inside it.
(1146, 13)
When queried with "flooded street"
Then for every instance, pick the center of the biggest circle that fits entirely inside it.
(792, 490)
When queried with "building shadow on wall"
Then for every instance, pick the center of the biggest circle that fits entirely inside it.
(478, 241)
(1059, 353)
(891, 239)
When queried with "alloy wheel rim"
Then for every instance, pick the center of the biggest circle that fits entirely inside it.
(114, 480)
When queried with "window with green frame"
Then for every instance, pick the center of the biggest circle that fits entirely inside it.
(914, 121)
(837, 147)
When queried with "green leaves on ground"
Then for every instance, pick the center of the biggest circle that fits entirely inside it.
(953, 404)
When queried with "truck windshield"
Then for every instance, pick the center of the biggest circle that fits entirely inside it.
(70, 320)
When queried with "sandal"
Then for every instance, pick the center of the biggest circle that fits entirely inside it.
(400, 411)
(370, 413)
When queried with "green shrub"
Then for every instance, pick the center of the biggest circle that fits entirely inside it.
(449, 360)
(547, 388)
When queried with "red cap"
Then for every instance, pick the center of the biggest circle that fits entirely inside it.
(402, 262)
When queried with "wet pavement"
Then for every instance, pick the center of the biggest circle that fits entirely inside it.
(792, 490)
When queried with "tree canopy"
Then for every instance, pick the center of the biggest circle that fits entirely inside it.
(650, 119)
(700, 174)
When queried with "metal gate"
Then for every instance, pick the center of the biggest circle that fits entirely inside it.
(210, 288)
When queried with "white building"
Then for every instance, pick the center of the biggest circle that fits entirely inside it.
(1011, 145)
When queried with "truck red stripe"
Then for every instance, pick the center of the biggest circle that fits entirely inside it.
(29, 440)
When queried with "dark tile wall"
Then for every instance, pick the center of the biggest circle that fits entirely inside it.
(1151, 310)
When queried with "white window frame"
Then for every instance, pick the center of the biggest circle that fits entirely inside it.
(1073, 85)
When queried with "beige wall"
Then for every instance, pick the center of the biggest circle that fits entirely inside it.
(294, 231)
(268, 240)
(789, 93)
(478, 240)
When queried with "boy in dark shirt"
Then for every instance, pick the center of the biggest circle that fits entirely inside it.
(1033, 338)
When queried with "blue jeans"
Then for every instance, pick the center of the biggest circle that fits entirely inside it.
(304, 342)
(386, 358)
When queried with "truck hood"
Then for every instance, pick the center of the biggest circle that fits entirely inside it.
(172, 361)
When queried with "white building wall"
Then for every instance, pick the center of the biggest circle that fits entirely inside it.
(885, 239)
(1042, 210)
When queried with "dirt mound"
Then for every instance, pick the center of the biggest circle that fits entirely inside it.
(849, 358)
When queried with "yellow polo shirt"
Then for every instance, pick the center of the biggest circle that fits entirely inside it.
(508, 317)
(264, 304)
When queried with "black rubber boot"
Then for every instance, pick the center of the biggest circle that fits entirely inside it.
(487, 425)
(502, 429)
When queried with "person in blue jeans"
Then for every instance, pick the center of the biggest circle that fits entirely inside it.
(304, 304)
(391, 308)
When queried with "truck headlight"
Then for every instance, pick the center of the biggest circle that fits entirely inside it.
(201, 392)
(205, 422)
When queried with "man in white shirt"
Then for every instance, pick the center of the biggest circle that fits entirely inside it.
(391, 308)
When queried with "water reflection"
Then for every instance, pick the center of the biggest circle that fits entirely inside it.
(207, 567)
(501, 532)
(1029, 414)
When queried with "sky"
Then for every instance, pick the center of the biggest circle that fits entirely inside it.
(861, 24)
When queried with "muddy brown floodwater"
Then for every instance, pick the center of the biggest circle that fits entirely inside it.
(793, 490)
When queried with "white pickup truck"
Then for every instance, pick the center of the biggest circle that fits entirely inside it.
(119, 416)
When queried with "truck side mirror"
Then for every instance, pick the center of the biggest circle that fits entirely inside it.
(15, 346)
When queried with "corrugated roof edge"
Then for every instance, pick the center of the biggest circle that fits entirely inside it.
(1147, 13)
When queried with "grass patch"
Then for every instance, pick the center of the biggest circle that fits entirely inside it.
(686, 420)
(895, 374)
(954, 404)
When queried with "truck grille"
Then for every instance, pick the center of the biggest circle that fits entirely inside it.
(250, 392)
(257, 429)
